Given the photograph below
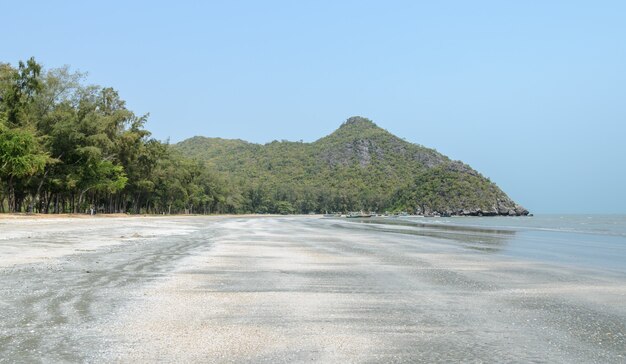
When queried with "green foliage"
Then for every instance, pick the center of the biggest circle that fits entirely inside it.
(452, 189)
(20, 157)
(284, 207)
(358, 167)
(66, 147)
(19, 154)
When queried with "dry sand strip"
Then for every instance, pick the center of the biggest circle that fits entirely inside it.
(294, 289)
(62, 280)
(41, 239)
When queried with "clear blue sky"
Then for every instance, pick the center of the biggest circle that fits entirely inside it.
(530, 93)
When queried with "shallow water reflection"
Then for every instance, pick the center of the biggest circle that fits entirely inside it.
(584, 249)
(475, 238)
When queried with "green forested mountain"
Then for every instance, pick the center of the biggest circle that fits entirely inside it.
(360, 166)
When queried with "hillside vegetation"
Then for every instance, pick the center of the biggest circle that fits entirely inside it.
(360, 166)
(70, 147)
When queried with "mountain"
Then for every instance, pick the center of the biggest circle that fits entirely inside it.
(360, 166)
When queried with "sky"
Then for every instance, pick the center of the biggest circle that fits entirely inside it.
(532, 94)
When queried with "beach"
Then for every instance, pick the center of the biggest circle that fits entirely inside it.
(295, 289)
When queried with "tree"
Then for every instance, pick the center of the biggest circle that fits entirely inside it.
(20, 158)
(23, 87)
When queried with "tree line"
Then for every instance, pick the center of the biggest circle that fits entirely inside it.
(70, 147)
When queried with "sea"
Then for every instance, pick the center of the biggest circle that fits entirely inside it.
(584, 241)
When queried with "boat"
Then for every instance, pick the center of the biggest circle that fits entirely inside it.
(355, 215)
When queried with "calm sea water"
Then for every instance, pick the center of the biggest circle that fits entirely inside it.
(586, 241)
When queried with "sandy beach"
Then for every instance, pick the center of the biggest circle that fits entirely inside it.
(289, 289)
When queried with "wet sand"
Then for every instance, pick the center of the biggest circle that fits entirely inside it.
(292, 289)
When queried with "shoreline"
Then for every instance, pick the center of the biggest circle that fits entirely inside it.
(43, 216)
(38, 216)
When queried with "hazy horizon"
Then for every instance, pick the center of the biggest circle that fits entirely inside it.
(531, 94)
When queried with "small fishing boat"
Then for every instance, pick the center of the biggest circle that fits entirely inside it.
(355, 215)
